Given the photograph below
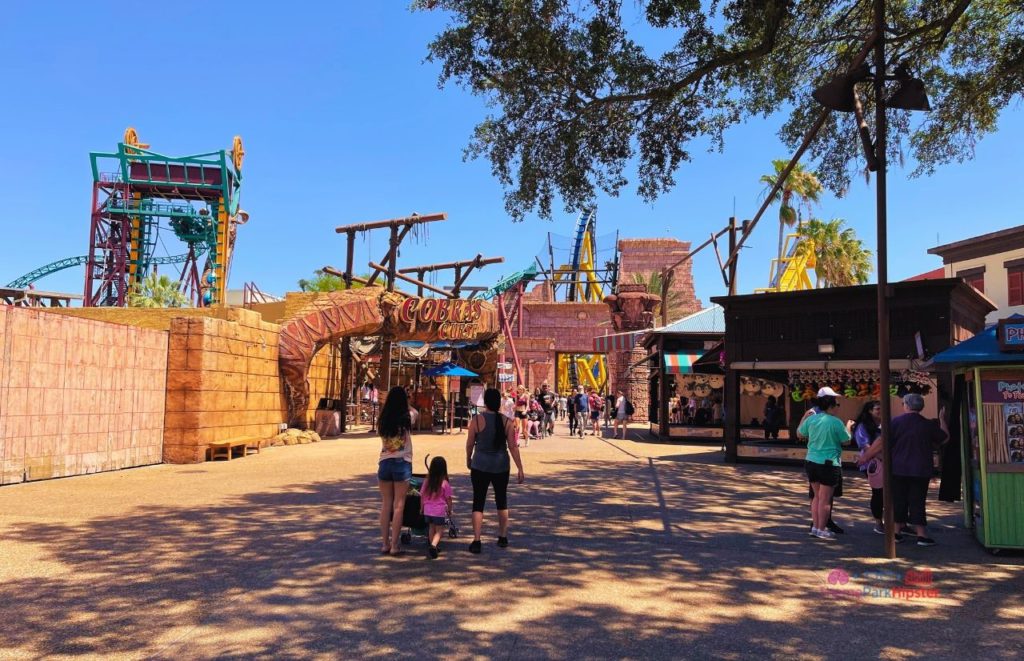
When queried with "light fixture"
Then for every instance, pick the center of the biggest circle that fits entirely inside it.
(826, 346)
(838, 93)
(910, 94)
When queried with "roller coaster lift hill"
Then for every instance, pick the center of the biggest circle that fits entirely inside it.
(133, 190)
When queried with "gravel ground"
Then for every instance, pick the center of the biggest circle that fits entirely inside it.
(619, 549)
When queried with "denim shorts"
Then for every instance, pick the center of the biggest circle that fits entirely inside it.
(435, 520)
(394, 470)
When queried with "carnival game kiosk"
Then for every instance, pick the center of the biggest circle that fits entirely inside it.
(988, 374)
(806, 340)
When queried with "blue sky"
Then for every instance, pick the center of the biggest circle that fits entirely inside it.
(343, 122)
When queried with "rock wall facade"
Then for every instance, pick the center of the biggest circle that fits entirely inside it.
(222, 382)
(646, 256)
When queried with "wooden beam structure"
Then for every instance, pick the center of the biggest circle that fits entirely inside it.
(462, 270)
(413, 219)
(400, 228)
(33, 298)
(419, 283)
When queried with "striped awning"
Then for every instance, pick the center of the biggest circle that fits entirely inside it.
(680, 363)
(617, 342)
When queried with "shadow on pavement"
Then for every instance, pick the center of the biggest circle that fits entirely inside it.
(665, 557)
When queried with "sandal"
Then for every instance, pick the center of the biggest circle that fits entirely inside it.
(397, 553)
(385, 550)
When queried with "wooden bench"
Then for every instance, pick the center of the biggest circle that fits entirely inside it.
(227, 448)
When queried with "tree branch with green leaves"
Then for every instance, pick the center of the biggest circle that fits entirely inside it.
(578, 99)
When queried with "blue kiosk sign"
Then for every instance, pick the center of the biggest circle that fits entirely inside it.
(1011, 334)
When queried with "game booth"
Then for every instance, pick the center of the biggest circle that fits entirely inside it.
(686, 378)
(805, 340)
(988, 376)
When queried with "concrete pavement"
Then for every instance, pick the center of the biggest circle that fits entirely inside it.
(619, 549)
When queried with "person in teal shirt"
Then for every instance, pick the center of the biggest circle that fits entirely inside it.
(825, 435)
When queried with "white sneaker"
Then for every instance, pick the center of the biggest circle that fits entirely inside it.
(825, 534)
(814, 532)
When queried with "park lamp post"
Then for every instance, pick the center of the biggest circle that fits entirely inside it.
(840, 94)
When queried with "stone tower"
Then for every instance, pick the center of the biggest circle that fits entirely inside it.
(632, 309)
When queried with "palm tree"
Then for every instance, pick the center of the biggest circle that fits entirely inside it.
(800, 184)
(840, 257)
(652, 281)
(157, 291)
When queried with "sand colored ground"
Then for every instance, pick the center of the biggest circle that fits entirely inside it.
(619, 549)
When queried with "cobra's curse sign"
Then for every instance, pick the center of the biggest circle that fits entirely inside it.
(446, 319)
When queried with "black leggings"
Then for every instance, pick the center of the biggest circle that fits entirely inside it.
(481, 480)
(876, 503)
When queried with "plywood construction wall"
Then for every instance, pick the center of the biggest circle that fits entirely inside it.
(77, 396)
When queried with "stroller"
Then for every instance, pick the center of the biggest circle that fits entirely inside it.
(412, 520)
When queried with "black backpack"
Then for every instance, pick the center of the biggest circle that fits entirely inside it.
(629, 408)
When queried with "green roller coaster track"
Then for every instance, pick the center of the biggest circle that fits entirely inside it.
(70, 262)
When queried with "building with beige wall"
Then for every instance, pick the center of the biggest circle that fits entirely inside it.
(993, 264)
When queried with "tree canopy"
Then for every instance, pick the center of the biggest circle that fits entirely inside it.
(840, 258)
(577, 95)
(325, 282)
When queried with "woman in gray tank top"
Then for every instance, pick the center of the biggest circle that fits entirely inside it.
(491, 439)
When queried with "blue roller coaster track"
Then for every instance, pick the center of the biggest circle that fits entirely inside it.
(70, 262)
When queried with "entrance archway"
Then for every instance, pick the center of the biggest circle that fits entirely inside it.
(373, 311)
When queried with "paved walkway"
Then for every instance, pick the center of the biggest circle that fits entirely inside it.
(620, 549)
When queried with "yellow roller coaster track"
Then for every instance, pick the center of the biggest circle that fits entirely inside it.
(799, 260)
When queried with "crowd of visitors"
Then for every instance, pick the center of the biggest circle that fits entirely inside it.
(693, 410)
(583, 409)
(512, 419)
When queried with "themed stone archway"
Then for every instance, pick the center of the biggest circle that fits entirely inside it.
(373, 311)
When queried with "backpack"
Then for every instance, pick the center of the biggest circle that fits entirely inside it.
(630, 410)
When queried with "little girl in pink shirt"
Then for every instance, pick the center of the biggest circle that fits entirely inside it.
(436, 501)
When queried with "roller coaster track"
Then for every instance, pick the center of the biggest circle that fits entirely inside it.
(69, 262)
(791, 274)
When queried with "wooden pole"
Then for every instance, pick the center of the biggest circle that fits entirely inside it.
(387, 258)
(732, 249)
(341, 274)
(394, 222)
(385, 359)
(346, 344)
(350, 259)
(808, 138)
(479, 260)
(419, 283)
(883, 279)
(663, 429)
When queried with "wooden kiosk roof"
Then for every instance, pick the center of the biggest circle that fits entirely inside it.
(786, 326)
